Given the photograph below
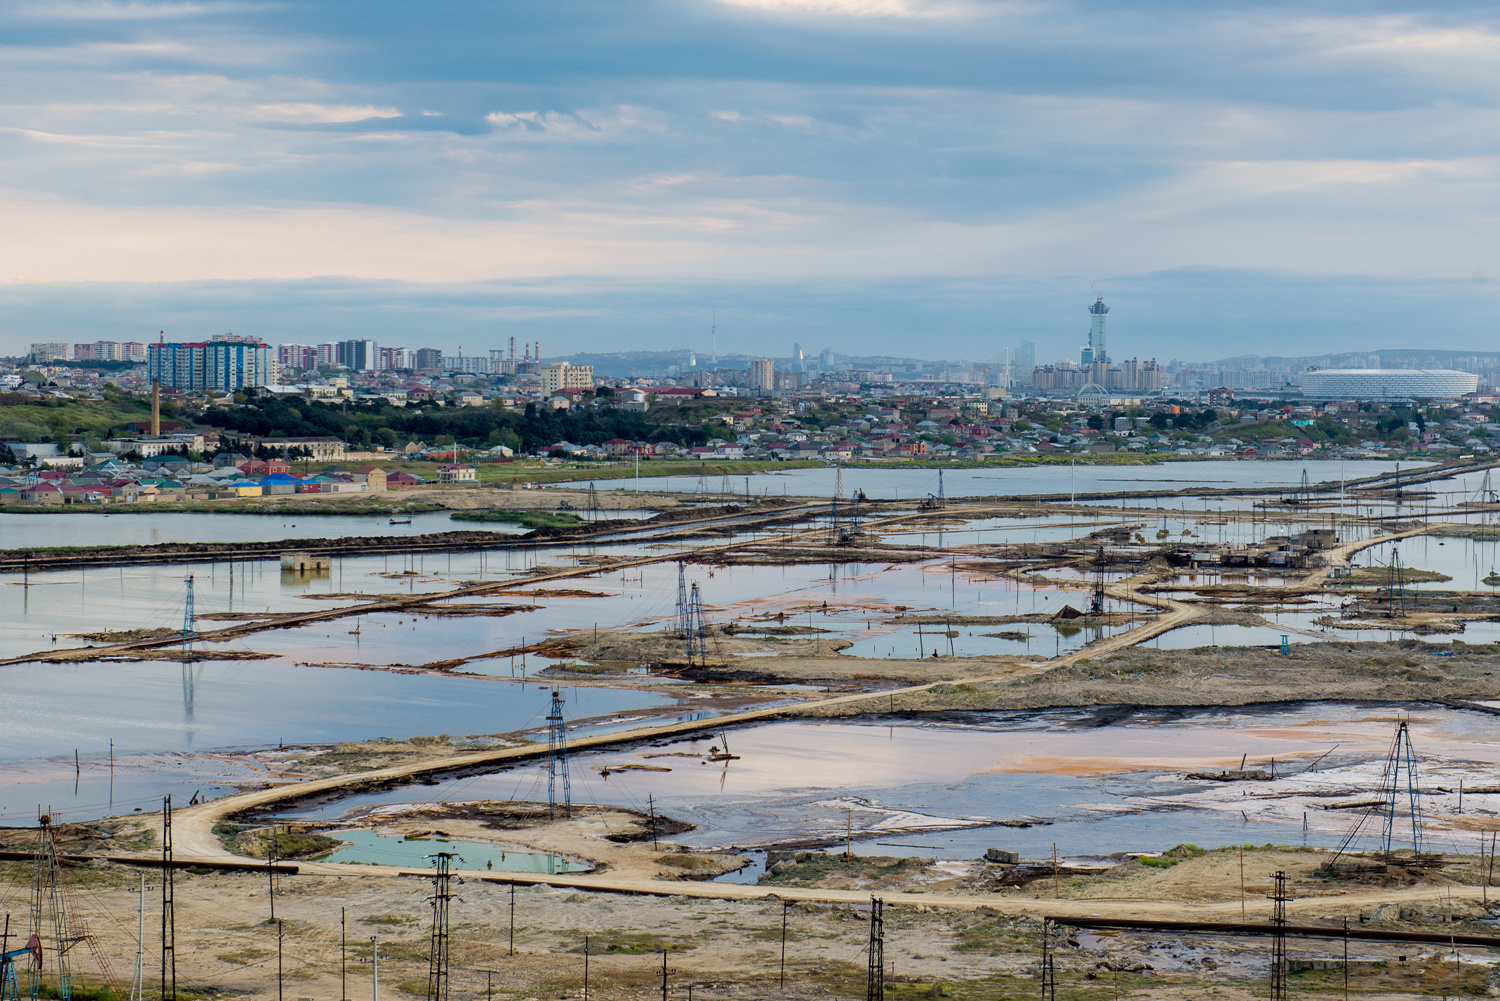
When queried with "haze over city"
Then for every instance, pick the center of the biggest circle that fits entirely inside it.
(913, 178)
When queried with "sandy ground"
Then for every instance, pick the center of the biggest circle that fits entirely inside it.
(226, 943)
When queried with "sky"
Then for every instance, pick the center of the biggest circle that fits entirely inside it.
(927, 178)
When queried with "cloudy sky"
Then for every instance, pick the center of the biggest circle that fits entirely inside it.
(932, 178)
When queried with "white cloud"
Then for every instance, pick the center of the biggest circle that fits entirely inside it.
(321, 114)
(856, 8)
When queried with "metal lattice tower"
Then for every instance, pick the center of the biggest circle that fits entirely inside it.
(1398, 782)
(1278, 939)
(834, 532)
(437, 957)
(557, 758)
(187, 617)
(1395, 600)
(875, 978)
(697, 631)
(682, 602)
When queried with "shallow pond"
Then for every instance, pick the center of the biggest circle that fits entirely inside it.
(1023, 480)
(1091, 780)
(378, 849)
(48, 711)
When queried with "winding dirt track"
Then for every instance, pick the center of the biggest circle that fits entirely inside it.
(195, 839)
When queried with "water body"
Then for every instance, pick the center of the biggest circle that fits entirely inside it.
(376, 849)
(1090, 780)
(149, 528)
(155, 708)
(1001, 481)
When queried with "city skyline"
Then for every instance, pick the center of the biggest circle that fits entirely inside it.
(860, 173)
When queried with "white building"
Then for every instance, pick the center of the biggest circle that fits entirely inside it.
(1388, 385)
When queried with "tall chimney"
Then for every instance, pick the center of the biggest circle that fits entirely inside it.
(155, 408)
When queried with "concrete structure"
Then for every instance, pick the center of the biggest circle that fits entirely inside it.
(358, 356)
(1390, 385)
(301, 562)
(457, 473)
(762, 375)
(564, 376)
(225, 362)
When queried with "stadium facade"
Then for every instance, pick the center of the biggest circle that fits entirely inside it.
(1387, 385)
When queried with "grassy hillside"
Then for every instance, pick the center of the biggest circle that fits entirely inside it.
(33, 421)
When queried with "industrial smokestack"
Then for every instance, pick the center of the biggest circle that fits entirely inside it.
(156, 408)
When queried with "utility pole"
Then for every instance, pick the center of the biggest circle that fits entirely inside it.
(343, 955)
(374, 969)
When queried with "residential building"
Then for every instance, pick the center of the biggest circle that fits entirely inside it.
(763, 375)
(358, 356)
(457, 472)
(43, 353)
(565, 376)
(227, 361)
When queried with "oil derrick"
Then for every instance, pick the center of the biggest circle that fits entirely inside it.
(835, 532)
(1096, 602)
(697, 631)
(557, 760)
(682, 602)
(1398, 782)
(875, 978)
(1278, 938)
(437, 957)
(187, 617)
(1395, 599)
(54, 912)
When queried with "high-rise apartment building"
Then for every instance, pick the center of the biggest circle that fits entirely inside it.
(225, 362)
(429, 358)
(43, 353)
(303, 357)
(564, 376)
(358, 356)
(763, 375)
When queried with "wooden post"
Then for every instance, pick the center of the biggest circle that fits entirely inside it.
(783, 940)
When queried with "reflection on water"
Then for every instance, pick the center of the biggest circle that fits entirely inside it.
(1091, 780)
(48, 711)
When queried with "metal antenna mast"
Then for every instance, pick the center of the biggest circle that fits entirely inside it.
(557, 757)
(437, 962)
(875, 979)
